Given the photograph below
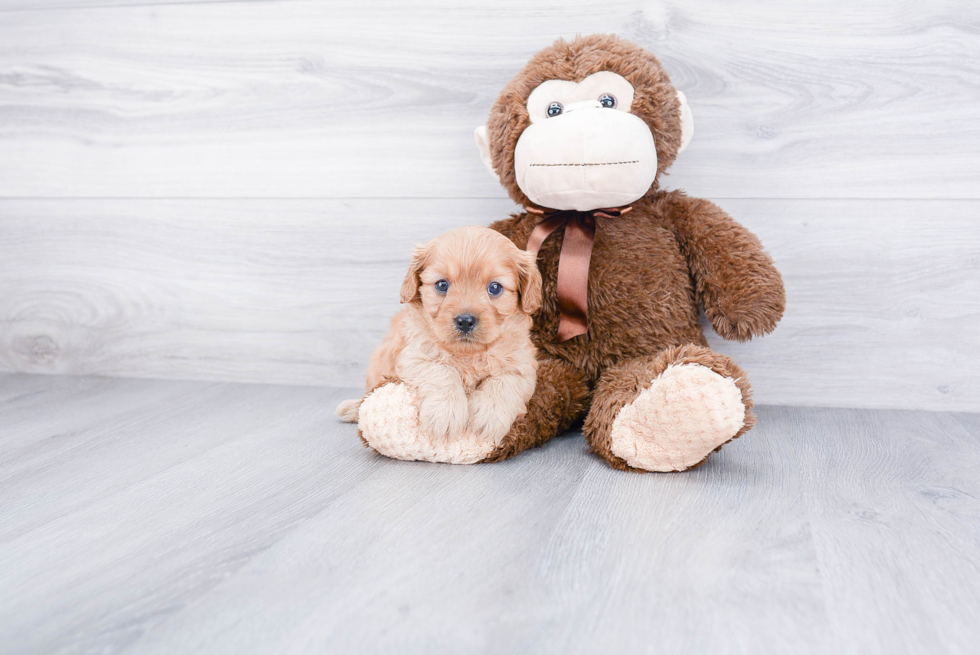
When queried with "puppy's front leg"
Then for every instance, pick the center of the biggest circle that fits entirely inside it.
(497, 402)
(442, 410)
(441, 396)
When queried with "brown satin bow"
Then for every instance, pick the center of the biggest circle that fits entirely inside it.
(573, 262)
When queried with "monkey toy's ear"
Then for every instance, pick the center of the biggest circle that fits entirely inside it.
(483, 143)
(687, 122)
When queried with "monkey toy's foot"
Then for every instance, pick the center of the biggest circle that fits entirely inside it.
(388, 422)
(686, 413)
(669, 411)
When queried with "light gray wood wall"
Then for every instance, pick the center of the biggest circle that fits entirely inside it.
(229, 190)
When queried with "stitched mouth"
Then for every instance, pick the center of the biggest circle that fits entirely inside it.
(602, 163)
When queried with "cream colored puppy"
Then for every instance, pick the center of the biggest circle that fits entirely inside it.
(462, 345)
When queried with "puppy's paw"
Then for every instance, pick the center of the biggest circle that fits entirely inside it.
(443, 415)
(486, 422)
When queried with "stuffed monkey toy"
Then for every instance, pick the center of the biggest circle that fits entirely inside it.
(579, 138)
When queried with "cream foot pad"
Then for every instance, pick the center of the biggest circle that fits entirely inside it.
(687, 412)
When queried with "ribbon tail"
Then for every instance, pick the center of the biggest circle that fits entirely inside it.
(573, 278)
(541, 232)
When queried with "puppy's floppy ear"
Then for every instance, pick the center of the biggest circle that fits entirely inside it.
(529, 281)
(410, 287)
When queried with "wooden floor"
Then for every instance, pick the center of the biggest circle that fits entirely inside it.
(189, 517)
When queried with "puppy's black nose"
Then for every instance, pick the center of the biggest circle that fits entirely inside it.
(465, 323)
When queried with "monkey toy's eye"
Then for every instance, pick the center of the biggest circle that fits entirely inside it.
(554, 109)
(495, 288)
(607, 100)
(442, 286)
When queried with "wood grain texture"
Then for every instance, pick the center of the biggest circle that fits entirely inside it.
(49, 5)
(882, 295)
(244, 519)
(379, 99)
(868, 486)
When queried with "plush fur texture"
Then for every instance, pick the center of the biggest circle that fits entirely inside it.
(655, 99)
(650, 270)
(630, 380)
(463, 387)
(686, 411)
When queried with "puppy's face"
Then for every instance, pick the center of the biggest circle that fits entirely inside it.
(473, 285)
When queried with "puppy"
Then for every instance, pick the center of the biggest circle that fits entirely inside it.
(463, 343)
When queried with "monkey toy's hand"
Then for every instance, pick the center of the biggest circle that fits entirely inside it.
(735, 279)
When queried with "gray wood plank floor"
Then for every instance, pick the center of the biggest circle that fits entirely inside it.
(190, 517)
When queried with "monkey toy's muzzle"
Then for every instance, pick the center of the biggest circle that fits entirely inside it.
(589, 157)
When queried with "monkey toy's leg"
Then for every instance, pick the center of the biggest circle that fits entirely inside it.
(388, 420)
(561, 396)
(668, 412)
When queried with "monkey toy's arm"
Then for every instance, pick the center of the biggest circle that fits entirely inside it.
(735, 279)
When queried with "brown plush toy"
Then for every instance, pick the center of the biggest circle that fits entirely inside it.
(579, 138)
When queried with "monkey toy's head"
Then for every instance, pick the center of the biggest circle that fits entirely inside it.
(588, 124)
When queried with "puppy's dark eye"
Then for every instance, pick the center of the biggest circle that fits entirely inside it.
(608, 100)
(554, 109)
(442, 286)
(495, 289)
